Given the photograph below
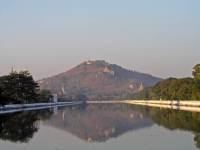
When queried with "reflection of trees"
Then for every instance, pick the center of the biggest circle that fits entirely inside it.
(20, 127)
(197, 140)
(175, 119)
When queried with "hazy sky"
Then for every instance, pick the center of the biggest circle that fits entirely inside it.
(161, 37)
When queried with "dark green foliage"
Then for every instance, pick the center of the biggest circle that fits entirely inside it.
(174, 89)
(45, 96)
(3, 101)
(196, 90)
(18, 88)
(196, 86)
(196, 72)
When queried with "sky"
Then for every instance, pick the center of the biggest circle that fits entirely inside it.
(46, 37)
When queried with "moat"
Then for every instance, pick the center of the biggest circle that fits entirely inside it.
(100, 126)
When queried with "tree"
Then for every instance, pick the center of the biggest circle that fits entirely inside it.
(196, 86)
(19, 87)
(3, 100)
(1, 94)
(45, 96)
(175, 89)
(170, 89)
(196, 72)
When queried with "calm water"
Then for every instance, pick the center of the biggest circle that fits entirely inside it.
(100, 126)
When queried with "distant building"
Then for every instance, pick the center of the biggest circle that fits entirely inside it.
(55, 98)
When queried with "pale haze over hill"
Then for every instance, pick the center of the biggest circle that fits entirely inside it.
(46, 36)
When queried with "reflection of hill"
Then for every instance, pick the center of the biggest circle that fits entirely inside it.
(98, 123)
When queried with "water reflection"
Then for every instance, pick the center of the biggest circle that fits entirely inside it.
(174, 119)
(98, 123)
(20, 127)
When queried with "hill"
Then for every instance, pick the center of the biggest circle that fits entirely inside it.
(97, 80)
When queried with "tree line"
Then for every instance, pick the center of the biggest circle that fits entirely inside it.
(20, 88)
(174, 89)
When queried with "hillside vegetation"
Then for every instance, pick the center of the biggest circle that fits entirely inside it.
(174, 89)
